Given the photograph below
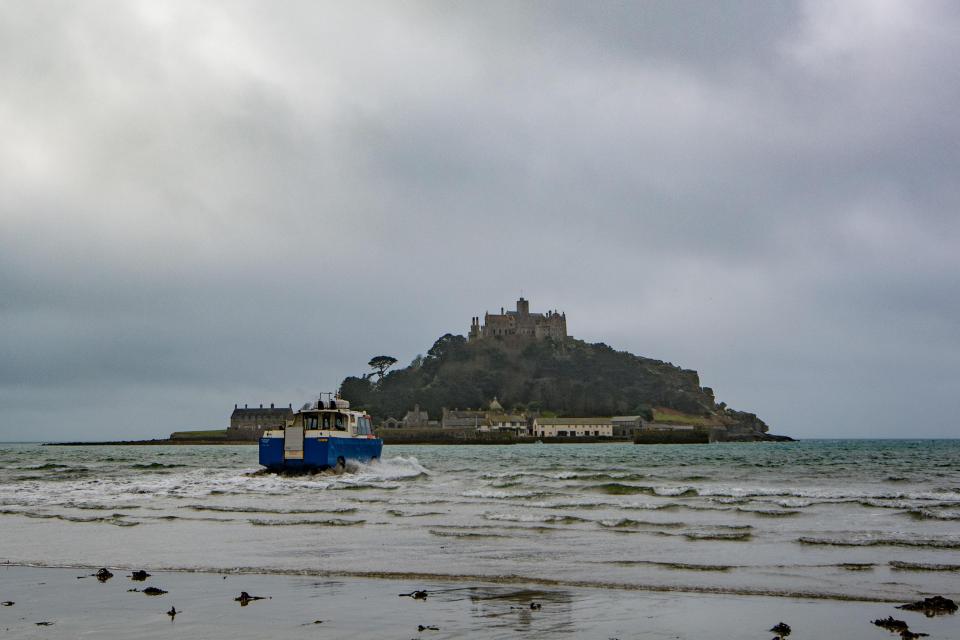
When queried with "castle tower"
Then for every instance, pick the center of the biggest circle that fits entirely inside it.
(521, 322)
(523, 307)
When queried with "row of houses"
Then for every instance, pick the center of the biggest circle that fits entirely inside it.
(254, 420)
(495, 419)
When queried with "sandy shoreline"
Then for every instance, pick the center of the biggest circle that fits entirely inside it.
(373, 608)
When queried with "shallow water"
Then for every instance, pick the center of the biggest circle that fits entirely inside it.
(870, 520)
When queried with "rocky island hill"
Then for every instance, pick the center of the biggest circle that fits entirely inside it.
(529, 363)
(527, 372)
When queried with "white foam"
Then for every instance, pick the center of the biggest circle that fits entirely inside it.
(395, 468)
(198, 483)
(793, 503)
(672, 491)
(826, 493)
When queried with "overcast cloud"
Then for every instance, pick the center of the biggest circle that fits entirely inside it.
(209, 203)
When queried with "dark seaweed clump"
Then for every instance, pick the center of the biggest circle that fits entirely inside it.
(935, 606)
(892, 624)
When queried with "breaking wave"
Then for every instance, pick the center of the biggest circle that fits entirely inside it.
(620, 488)
(547, 519)
(332, 522)
(624, 476)
(881, 540)
(821, 494)
(732, 536)
(570, 504)
(933, 514)
(397, 513)
(395, 468)
(627, 523)
(502, 495)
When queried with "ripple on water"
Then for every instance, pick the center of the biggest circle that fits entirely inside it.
(467, 534)
(770, 513)
(115, 519)
(922, 566)
(261, 509)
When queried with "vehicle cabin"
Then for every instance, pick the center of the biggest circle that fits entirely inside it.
(333, 418)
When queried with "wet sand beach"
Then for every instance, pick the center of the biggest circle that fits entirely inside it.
(307, 607)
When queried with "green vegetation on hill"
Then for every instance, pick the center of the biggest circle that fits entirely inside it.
(214, 434)
(563, 377)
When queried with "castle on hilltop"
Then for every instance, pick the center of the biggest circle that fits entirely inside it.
(521, 322)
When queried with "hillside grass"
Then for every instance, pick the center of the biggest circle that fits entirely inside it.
(670, 416)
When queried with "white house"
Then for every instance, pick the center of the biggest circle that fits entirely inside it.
(572, 427)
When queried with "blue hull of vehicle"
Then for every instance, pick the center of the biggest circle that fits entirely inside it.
(319, 453)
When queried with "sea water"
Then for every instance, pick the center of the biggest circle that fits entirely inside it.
(843, 519)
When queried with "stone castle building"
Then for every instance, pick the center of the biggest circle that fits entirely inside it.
(521, 322)
(254, 421)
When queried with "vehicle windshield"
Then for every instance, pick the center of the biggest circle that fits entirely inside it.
(327, 421)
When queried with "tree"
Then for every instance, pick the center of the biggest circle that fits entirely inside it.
(381, 363)
(356, 391)
(445, 345)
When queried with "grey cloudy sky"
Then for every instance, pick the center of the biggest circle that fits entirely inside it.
(204, 203)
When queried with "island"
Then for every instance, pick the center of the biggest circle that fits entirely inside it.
(518, 376)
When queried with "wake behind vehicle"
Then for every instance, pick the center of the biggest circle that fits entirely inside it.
(322, 435)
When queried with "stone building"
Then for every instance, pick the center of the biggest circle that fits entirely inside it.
(417, 418)
(258, 420)
(521, 322)
(493, 418)
(572, 427)
(626, 426)
(496, 419)
(455, 418)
